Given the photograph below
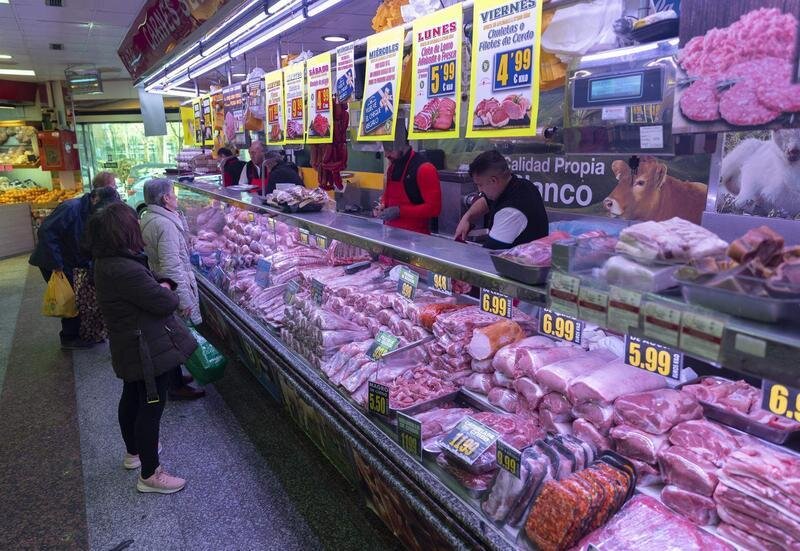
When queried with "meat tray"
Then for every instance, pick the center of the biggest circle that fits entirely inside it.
(759, 308)
(461, 398)
(532, 275)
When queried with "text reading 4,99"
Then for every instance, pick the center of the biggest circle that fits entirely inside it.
(495, 303)
(513, 68)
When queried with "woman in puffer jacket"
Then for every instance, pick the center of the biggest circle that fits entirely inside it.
(166, 244)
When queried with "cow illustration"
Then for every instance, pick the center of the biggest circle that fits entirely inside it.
(649, 193)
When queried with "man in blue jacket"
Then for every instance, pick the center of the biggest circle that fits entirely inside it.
(59, 246)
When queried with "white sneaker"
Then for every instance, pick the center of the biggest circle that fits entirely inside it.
(133, 462)
(161, 483)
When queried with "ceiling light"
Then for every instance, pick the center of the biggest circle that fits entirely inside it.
(18, 72)
(271, 33)
(178, 93)
(7, 106)
(3, 1)
(5, 56)
(335, 38)
(273, 8)
(240, 74)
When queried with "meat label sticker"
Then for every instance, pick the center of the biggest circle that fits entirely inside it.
(407, 283)
(382, 86)
(508, 458)
(345, 74)
(504, 90)
(563, 292)
(496, 303)
(294, 103)
(383, 344)
(653, 357)
(701, 335)
(409, 434)
(262, 272)
(780, 400)
(468, 440)
(662, 322)
(651, 137)
(624, 307)
(436, 72)
(319, 77)
(560, 326)
(442, 284)
(593, 305)
(317, 291)
(276, 113)
(378, 399)
(233, 125)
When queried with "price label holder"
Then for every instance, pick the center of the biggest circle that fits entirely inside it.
(624, 307)
(701, 335)
(407, 283)
(496, 303)
(593, 305)
(303, 236)
(378, 399)
(563, 293)
(661, 322)
(468, 440)
(409, 434)
(384, 343)
(262, 272)
(251, 217)
(508, 458)
(291, 290)
(780, 400)
(442, 284)
(560, 326)
(653, 357)
(317, 291)
(321, 241)
(271, 223)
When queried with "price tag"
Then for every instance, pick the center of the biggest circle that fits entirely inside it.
(443, 284)
(560, 326)
(623, 309)
(291, 290)
(508, 458)
(468, 440)
(384, 342)
(780, 400)
(662, 322)
(593, 305)
(317, 291)
(251, 217)
(407, 283)
(701, 335)
(653, 357)
(378, 399)
(321, 241)
(563, 292)
(303, 236)
(442, 79)
(409, 434)
(262, 272)
(271, 223)
(512, 69)
(496, 303)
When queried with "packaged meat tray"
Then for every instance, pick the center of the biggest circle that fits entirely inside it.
(532, 275)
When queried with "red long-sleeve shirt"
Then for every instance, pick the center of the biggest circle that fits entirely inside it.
(414, 217)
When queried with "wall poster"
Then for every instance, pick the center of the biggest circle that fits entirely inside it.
(255, 101)
(345, 74)
(275, 107)
(294, 103)
(320, 107)
(382, 86)
(234, 115)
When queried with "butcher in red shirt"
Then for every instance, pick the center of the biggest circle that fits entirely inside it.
(413, 193)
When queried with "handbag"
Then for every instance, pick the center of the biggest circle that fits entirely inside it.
(206, 364)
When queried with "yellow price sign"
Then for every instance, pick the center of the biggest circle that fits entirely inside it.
(468, 440)
(443, 284)
(560, 326)
(508, 458)
(407, 283)
(496, 303)
(653, 357)
(409, 434)
(781, 400)
(378, 399)
(303, 236)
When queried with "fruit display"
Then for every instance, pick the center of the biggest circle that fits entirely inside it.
(17, 156)
(24, 135)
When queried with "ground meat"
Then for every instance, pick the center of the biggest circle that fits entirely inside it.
(700, 102)
(739, 106)
(784, 98)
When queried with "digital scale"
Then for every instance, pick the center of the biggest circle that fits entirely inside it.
(621, 101)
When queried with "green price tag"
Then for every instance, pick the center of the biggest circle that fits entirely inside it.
(317, 291)
(409, 434)
(291, 290)
(623, 309)
(653, 357)
(443, 284)
(407, 283)
(662, 322)
(593, 305)
(496, 303)
(303, 236)
(563, 291)
(560, 326)
(384, 343)
(378, 399)
(508, 458)
(781, 400)
(321, 241)
(701, 335)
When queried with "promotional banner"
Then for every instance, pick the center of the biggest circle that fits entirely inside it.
(218, 119)
(234, 115)
(294, 104)
(504, 91)
(381, 89)
(208, 122)
(275, 113)
(320, 108)
(197, 113)
(255, 105)
(345, 74)
(187, 122)
(436, 69)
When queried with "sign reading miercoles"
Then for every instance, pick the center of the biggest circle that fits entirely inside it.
(468, 440)
(378, 398)
(383, 344)
(496, 303)
(436, 70)
(409, 434)
(275, 108)
(504, 91)
(382, 86)
(780, 400)
(407, 283)
(653, 357)
(345, 74)
(294, 96)
(320, 101)
(233, 126)
(560, 326)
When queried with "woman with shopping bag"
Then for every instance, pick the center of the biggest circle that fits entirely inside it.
(146, 338)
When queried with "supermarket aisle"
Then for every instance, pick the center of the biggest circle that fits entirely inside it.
(255, 482)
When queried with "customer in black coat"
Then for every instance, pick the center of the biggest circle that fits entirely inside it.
(147, 340)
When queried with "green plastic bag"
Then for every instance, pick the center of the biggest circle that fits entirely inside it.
(206, 364)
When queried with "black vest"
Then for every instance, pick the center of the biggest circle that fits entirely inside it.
(522, 195)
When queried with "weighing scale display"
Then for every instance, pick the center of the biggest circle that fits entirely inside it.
(624, 87)
(628, 88)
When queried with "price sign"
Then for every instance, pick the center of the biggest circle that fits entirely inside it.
(251, 217)
(701, 335)
(496, 303)
(662, 322)
(384, 342)
(407, 283)
(468, 440)
(323, 99)
(512, 69)
(317, 291)
(563, 293)
(378, 399)
(623, 309)
(272, 113)
(291, 291)
(297, 108)
(262, 272)
(781, 400)
(593, 305)
(321, 241)
(443, 284)
(442, 79)
(560, 326)
(303, 236)
(409, 434)
(271, 223)
(653, 357)
(508, 458)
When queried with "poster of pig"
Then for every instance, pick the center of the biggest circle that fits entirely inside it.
(737, 66)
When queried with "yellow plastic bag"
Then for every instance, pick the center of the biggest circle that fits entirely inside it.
(59, 298)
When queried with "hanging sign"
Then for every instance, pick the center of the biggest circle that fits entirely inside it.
(187, 122)
(436, 69)
(345, 74)
(254, 108)
(320, 106)
(197, 114)
(504, 91)
(218, 118)
(294, 103)
(382, 87)
(234, 115)
(208, 123)
(275, 108)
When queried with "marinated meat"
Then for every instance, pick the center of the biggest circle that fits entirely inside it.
(637, 444)
(488, 340)
(688, 470)
(612, 381)
(709, 440)
(557, 376)
(656, 411)
(699, 509)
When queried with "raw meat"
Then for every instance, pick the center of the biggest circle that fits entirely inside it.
(506, 357)
(510, 494)
(636, 444)
(707, 439)
(745, 539)
(557, 376)
(739, 106)
(758, 527)
(688, 470)
(488, 340)
(673, 239)
(612, 381)
(587, 432)
(471, 481)
(558, 404)
(699, 509)
(551, 422)
(505, 399)
(441, 420)
(619, 270)
(783, 97)
(532, 392)
(498, 379)
(646, 474)
(656, 411)
(418, 385)
(529, 361)
(598, 414)
(738, 501)
(482, 366)
(536, 253)
(762, 243)
(768, 472)
(700, 102)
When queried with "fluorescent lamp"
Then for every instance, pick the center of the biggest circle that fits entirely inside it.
(239, 74)
(320, 7)
(334, 38)
(85, 79)
(177, 93)
(203, 69)
(5, 56)
(272, 33)
(3, 1)
(278, 6)
(18, 72)
(7, 106)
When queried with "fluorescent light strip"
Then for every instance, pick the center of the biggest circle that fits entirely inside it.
(5, 56)
(200, 71)
(279, 6)
(320, 7)
(177, 93)
(272, 33)
(18, 72)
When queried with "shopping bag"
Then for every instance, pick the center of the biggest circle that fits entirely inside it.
(206, 364)
(93, 329)
(59, 298)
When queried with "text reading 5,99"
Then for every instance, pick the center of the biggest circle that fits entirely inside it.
(653, 357)
(442, 79)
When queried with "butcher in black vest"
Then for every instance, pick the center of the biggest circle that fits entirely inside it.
(251, 175)
(514, 205)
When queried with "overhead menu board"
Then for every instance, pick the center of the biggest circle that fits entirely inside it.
(234, 115)
(255, 102)
(345, 74)
(504, 91)
(436, 69)
(208, 123)
(294, 96)
(382, 86)
(320, 106)
(275, 108)
(187, 122)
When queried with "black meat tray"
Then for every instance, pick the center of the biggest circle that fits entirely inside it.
(532, 275)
